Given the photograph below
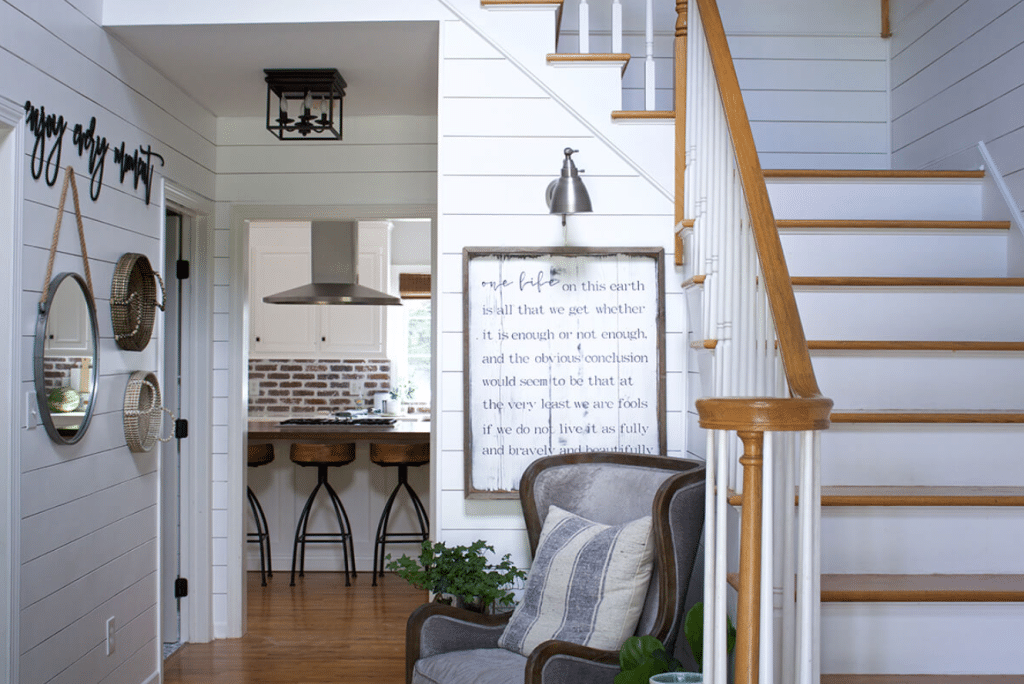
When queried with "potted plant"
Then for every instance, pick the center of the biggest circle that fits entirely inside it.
(402, 391)
(462, 574)
(642, 657)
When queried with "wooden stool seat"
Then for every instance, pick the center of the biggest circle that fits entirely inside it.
(323, 456)
(260, 455)
(403, 456)
(400, 454)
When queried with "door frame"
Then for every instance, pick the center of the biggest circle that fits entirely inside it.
(238, 363)
(197, 530)
(12, 190)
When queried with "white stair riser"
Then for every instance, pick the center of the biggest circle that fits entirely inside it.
(922, 638)
(876, 199)
(922, 455)
(904, 313)
(528, 33)
(843, 252)
(918, 540)
(921, 380)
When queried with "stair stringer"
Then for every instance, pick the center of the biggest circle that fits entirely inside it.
(647, 148)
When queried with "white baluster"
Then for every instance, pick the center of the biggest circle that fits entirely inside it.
(584, 27)
(617, 26)
(649, 62)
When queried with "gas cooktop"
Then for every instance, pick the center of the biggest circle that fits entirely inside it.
(340, 420)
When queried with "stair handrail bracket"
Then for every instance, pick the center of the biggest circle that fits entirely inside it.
(764, 412)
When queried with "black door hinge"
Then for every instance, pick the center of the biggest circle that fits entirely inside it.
(180, 428)
(182, 269)
(180, 587)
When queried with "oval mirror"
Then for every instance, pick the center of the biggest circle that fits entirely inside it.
(66, 358)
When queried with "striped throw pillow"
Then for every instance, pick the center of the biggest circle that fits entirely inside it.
(587, 584)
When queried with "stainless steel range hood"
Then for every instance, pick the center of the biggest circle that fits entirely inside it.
(334, 260)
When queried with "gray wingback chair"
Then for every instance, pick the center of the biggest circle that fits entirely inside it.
(447, 645)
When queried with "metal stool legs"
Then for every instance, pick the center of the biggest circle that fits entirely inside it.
(261, 536)
(383, 536)
(303, 537)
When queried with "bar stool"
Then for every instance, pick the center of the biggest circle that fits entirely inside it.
(260, 455)
(403, 456)
(323, 456)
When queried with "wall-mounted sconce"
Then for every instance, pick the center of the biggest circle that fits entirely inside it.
(567, 194)
(304, 104)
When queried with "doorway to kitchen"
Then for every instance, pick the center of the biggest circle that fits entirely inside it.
(243, 218)
(354, 362)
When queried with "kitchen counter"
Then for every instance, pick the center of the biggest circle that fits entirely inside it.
(282, 488)
(404, 432)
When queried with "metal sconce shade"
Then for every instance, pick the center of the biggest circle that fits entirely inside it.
(567, 194)
(307, 105)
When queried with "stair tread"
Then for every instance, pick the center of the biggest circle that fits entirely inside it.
(914, 495)
(898, 281)
(926, 416)
(641, 114)
(914, 345)
(868, 173)
(920, 679)
(906, 224)
(940, 588)
(863, 588)
(588, 57)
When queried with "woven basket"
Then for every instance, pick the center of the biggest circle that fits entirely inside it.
(133, 301)
(143, 410)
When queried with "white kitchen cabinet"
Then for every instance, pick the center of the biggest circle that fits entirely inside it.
(279, 259)
(68, 326)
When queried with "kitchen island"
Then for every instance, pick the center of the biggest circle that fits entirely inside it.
(282, 488)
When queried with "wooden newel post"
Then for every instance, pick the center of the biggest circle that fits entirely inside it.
(680, 105)
(748, 607)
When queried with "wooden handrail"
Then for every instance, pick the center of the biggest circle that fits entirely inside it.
(792, 343)
(750, 417)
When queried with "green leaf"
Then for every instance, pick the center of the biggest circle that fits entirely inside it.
(638, 649)
(693, 628)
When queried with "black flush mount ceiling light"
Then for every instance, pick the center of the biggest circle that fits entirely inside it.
(304, 104)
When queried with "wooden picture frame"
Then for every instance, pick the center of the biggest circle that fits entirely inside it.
(563, 351)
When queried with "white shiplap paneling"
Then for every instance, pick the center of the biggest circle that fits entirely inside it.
(957, 80)
(89, 511)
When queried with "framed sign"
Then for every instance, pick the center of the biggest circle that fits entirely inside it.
(563, 352)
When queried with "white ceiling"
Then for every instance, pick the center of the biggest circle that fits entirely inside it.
(390, 67)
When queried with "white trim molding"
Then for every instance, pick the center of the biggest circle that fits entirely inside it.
(12, 198)
(197, 551)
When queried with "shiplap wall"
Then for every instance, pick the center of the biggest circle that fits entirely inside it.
(956, 80)
(386, 167)
(497, 153)
(813, 73)
(89, 511)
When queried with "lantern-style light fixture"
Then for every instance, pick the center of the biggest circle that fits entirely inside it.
(567, 194)
(304, 104)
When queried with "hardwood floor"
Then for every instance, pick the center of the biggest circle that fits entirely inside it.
(316, 632)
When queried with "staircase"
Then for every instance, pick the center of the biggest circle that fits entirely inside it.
(917, 335)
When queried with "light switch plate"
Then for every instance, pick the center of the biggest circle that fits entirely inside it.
(31, 410)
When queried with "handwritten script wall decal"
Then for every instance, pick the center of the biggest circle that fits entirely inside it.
(49, 130)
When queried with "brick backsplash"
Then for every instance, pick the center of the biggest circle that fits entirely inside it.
(309, 385)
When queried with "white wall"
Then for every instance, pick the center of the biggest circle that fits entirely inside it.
(88, 518)
(496, 157)
(814, 73)
(956, 80)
